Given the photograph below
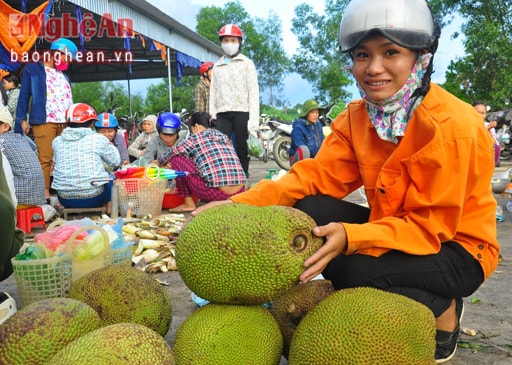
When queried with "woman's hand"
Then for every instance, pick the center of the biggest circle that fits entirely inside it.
(202, 208)
(25, 127)
(336, 244)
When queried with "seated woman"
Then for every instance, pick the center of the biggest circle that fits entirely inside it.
(12, 238)
(215, 172)
(168, 126)
(307, 134)
(138, 147)
(108, 126)
(26, 170)
(79, 154)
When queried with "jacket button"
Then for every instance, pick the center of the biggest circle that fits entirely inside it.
(383, 191)
(479, 256)
(480, 247)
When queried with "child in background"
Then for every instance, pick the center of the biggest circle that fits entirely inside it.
(108, 126)
(11, 83)
(138, 147)
(215, 172)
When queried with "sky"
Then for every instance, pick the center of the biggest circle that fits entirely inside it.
(296, 90)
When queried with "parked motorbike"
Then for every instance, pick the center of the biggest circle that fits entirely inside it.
(503, 131)
(280, 142)
(184, 129)
(263, 133)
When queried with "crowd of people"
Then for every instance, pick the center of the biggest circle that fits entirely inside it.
(408, 142)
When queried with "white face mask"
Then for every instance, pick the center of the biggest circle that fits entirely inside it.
(230, 48)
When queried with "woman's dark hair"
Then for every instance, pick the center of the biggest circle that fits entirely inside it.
(87, 124)
(477, 102)
(12, 78)
(202, 118)
(4, 94)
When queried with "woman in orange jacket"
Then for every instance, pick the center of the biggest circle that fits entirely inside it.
(425, 160)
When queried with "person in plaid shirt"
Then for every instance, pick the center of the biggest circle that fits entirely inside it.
(214, 170)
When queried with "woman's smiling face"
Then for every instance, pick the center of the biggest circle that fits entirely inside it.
(382, 67)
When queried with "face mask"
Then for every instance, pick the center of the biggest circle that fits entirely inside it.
(230, 48)
(61, 66)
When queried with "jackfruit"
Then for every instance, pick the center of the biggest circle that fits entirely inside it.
(117, 344)
(289, 309)
(242, 254)
(227, 334)
(124, 294)
(365, 326)
(38, 331)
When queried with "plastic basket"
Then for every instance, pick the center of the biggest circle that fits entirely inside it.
(51, 278)
(141, 196)
(44, 278)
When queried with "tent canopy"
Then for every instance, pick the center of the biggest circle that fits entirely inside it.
(154, 39)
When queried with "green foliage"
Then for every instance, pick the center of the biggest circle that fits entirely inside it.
(157, 97)
(319, 60)
(484, 72)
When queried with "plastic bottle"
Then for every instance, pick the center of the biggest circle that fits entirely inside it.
(499, 214)
(509, 205)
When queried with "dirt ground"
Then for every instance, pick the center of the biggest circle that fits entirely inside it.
(488, 311)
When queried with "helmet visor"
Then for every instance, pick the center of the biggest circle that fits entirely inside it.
(168, 130)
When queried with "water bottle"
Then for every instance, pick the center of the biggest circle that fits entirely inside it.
(509, 205)
(505, 138)
(499, 213)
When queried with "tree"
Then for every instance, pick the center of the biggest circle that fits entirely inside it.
(272, 61)
(318, 59)
(157, 97)
(89, 93)
(484, 73)
(262, 42)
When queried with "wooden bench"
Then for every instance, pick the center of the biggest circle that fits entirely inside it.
(82, 211)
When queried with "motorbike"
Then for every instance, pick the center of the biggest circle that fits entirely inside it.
(503, 131)
(263, 132)
(280, 142)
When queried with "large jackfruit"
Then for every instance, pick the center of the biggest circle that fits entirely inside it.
(117, 344)
(289, 309)
(124, 294)
(242, 254)
(365, 326)
(227, 334)
(38, 331)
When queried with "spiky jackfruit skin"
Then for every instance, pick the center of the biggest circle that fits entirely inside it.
(242, 254)
(289, 309)
(227, 334)
(365, 326)
(117, 344)
(38, 331)
(124, 294)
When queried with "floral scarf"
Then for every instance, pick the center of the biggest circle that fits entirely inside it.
(391, 115)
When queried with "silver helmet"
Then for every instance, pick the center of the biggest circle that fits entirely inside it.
(408, 23)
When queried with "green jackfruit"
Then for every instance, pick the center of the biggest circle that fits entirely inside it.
(365, 326)
(124, 294)
(226, 334)
(289, 309)
(38, 331)
(117, 344)
(242, 254)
